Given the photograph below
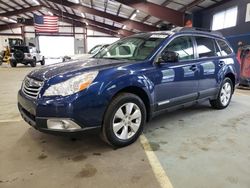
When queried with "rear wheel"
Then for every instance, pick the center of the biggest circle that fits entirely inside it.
(225, 95)
(43, 61)
(124, 120)
(33, 63)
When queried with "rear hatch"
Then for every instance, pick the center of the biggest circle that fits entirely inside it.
(18, 52)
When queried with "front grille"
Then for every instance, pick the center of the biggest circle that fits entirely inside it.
(31, 87)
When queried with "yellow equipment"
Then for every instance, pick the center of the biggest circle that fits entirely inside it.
(6, 55)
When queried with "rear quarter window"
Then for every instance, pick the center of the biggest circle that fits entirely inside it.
(225, 49)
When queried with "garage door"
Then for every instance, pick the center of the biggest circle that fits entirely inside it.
(56, 46)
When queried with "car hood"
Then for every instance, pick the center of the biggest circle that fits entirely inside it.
(62, 68)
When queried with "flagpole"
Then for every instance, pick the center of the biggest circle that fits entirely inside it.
(36, 43)
(36, 35)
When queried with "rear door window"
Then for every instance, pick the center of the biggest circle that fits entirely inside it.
(225, 49)
(206, 47)
(32, 50)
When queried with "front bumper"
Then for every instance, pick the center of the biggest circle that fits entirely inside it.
(30, 110)
(23, 60)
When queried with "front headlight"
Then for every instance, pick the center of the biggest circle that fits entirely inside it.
(72, 85)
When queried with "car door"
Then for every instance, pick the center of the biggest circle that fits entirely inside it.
(177, 82)
(32, 53)
(208, 56)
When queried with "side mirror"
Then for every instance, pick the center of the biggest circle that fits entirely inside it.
(169, 57)
(38, 51)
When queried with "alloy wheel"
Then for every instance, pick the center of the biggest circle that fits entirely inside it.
(225, 94)
(126, 121)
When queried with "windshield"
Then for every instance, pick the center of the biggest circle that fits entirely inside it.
(138, 47)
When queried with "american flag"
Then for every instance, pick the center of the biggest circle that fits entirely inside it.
(46, 24)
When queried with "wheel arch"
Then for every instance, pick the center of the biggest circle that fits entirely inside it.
(231, 76)
(140, 93)
(123, 82)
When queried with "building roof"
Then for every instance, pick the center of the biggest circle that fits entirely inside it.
(123, 16)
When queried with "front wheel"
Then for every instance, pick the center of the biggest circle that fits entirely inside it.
(13, 63)
(124, 120)
(33, 63)
(225, 95)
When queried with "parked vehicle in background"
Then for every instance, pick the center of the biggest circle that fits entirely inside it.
(25, 55)
(131, 81)
(244, 59)
(98, 48)
(92, 52)
(76, 57)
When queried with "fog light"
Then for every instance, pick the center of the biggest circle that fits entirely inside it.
(62, 124)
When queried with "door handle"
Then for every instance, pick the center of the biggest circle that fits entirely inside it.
(193, 68)
(221, 64)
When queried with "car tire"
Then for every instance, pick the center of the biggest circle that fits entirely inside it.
(225, 95)
(43, 61)
(33, 63)
(13, 63)
(19, 55)
(124, 120)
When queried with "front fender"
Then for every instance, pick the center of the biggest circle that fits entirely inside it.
(112, 87)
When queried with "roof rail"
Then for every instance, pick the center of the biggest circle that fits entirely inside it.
(179, 29)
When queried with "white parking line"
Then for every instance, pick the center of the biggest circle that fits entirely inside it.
(158, 170)
(10, 120)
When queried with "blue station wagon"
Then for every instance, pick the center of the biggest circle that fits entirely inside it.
(119, 89)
